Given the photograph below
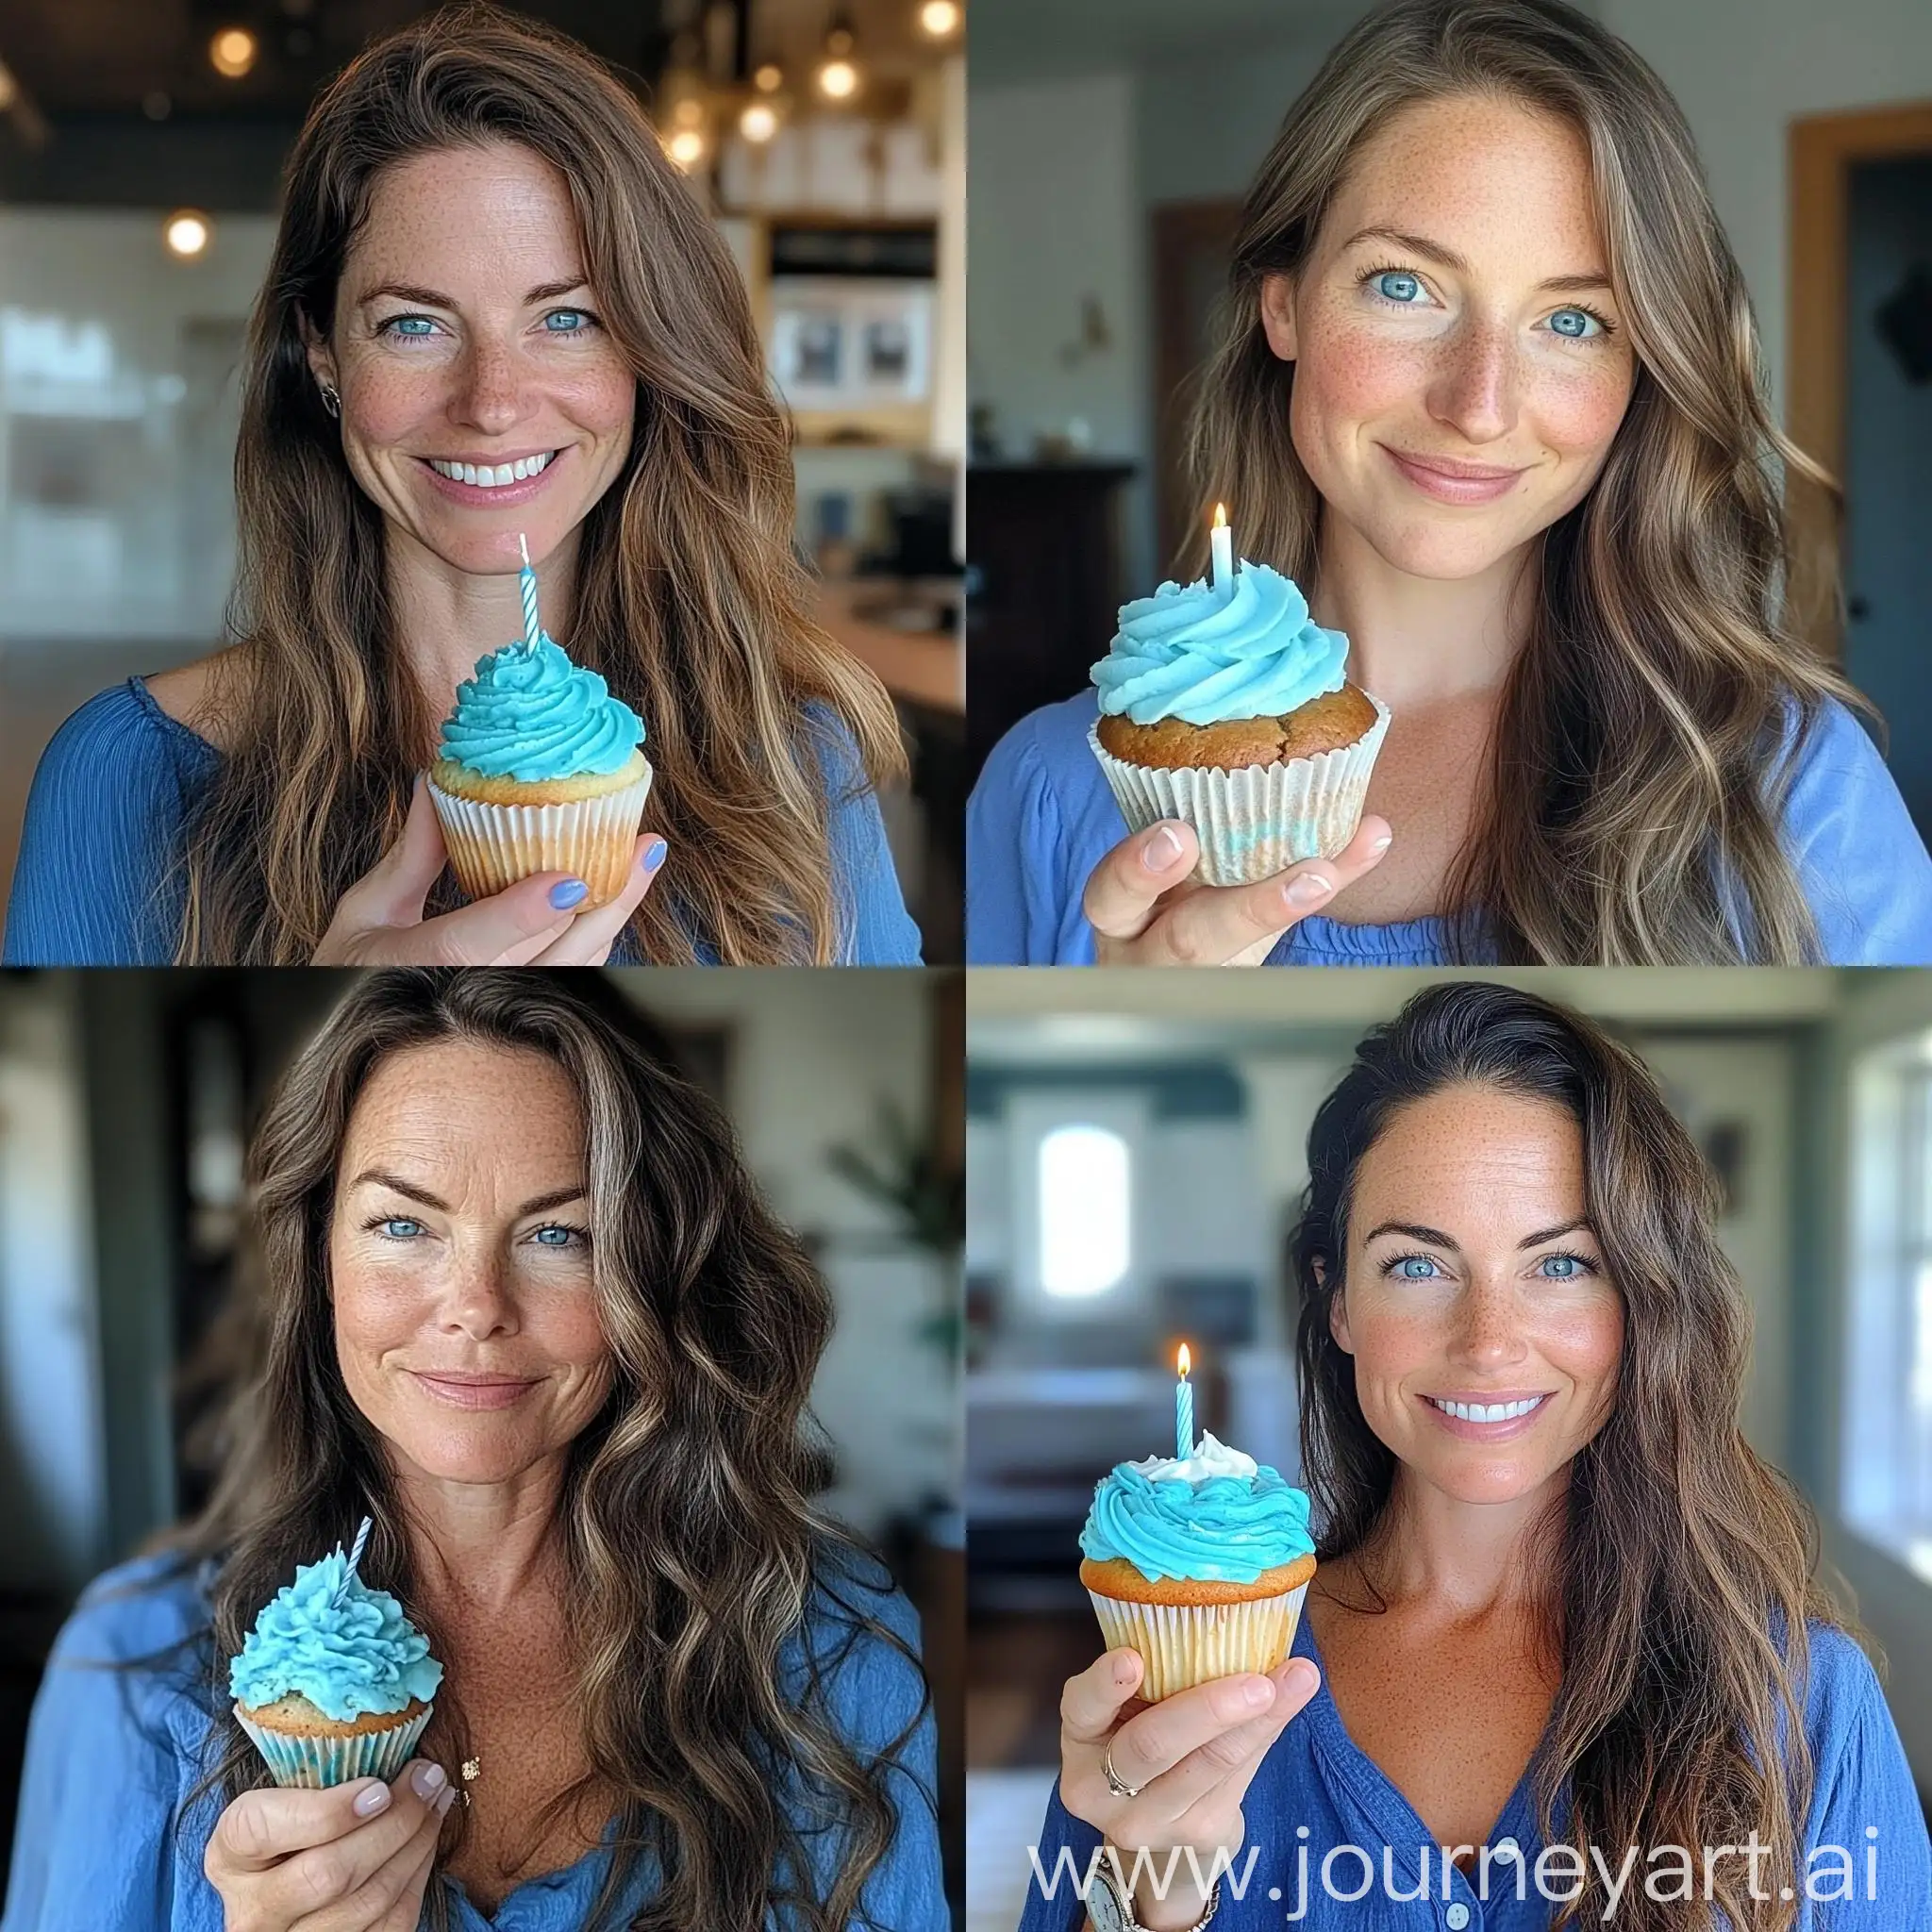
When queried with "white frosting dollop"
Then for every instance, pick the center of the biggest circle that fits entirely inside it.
(1212, 1458)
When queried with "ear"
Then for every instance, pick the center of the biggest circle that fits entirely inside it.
(321, 363)
(1338, 1315)
(1277, 315)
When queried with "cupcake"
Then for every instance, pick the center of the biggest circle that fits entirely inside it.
(1200, 1565)
(334, 1682)
(1224, 704)
(540, 769)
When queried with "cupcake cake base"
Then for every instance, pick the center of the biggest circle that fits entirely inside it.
(306, 1748)
(1192, 1630)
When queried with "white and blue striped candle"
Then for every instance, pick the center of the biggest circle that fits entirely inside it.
(1184, 1410)
(526, 583)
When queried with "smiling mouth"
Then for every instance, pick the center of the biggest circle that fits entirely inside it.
(1488, 1411)
(1457, 473)
(493, 475)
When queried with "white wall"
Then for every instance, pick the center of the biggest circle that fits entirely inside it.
(1055, 215)
(1742, 70)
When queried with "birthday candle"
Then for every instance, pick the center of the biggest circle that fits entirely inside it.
(354, 1558)
(526, 583)
(1221, 542)
(1184, 1411)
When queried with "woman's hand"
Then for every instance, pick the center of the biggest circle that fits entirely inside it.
(380, 921)
(1145, 912)
(1189, 1759)
(354, 1859)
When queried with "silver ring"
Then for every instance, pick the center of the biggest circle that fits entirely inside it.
(1113, 1780)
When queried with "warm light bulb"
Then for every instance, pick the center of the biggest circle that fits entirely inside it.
(689, 112)
(939, 17)
(186, 234)
(838, 80)
(1185, 1359)
(769, 78)
(232, 51)
(758, 123)
(686, 147)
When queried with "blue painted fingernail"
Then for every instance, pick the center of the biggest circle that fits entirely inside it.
(654, 855)
(569, 893)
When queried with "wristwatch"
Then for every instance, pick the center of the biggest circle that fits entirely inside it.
(1112, 1908)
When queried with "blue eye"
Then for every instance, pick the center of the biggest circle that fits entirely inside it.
(1398, 285)
(556, 1237)
(573, 321)
(410, 328)
(399, 1229)
(1563, 1267)
(1416, 1267)
(1579, 325)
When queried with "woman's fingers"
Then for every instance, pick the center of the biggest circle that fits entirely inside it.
(1220, 923)
(405, 1911)
(1229, 1758)
(591, 934)
(313, 1889)
(1122, 891)
(259, 1830)
(1091, 1704)
(1162, 1735)
(391, 1898)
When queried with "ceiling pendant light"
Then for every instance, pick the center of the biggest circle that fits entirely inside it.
(839, 73)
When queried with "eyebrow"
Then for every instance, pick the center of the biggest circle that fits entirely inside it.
(1447, 258)
(1435, 1238)
(431, 298)
(381, 1177)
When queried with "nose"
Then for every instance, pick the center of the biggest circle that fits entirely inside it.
(1475, 385)
(1488, 1328)
(489, 390)
(476, 1300)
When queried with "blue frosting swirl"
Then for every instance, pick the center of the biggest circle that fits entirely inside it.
(534, 714)
(1228, 1529)
(1206, 656)
(350, 1659)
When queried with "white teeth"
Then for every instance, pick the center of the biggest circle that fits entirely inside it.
(489, 477)
(1487, 1412)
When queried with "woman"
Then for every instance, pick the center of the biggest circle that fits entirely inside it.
(1565, 1630)
(483, 258)
(523, 1307)
(1487, 387)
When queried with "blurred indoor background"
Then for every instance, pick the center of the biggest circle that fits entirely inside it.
(141, 144)
(1135, 1164)
(1107, 171)
(126, 1103)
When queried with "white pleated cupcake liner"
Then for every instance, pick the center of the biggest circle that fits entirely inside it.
(316, 1763)
(1258, 821)
(1184, 1645)
(492, 846)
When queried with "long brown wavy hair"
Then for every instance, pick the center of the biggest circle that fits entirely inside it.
(690, 600)
(1681, 1567)
(691, 1544)
(1632, 811)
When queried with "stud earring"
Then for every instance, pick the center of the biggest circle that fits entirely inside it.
(331, 399)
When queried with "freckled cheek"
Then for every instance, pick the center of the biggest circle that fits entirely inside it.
(1585, 1342)
(1577, 414)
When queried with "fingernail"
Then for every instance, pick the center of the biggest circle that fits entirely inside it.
(372, 1801)
(1381, 841)
(1122, 1674)
(654, 855)
(1257, 1690)
(568, 892)
(1161, 850)
(1308, 889)
(428, 1779)
(443, 1803)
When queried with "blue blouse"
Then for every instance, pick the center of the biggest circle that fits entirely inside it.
(1317, 1796)
(112, 1752)
(95, 886)
(1041, 818)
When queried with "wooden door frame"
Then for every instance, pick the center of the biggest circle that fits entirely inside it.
(1822, 148)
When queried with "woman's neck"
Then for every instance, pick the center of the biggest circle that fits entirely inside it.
(446, 617)
(1420, 640)
(479, 1546)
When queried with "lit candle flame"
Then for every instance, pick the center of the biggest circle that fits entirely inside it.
(1221, 516)
(1185, 1358)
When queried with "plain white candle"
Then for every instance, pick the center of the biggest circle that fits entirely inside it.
(1222, 540)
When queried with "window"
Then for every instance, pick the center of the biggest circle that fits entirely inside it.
(1084, 1210)
(1886, 1485)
